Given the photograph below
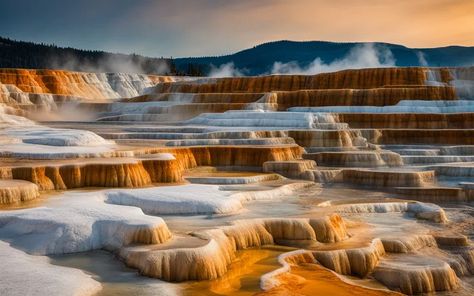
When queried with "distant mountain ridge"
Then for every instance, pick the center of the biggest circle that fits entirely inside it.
(260, 59)
(252, 61)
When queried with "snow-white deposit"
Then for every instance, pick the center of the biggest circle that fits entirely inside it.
(32, 151)
(33, 275)
(124, 84)
(56, 137)
(77, 222)
(194, 199)
(273, 120)
(39, 142)
(23, 138)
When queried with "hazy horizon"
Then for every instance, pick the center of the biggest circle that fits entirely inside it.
(214, 27)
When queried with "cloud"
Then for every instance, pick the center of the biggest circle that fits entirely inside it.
(422, 59)
(366, 55)
(225, 70)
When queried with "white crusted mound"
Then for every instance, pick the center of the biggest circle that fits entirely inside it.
(79, 222)
(125, 84)
(187, 199)
(269, 120)
(233, 179)
(34, 275)
(32, 151)
(420, 210)
(37, 142)
(23, 138)
(56, 137)
(194, 199)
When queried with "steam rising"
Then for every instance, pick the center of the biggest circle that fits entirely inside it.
(366, 55)
(117, 63)
(225, 70)
(68, 111)
(422, 59)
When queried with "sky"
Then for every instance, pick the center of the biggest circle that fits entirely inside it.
(180, 28)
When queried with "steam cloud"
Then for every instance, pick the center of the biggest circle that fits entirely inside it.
(68, 111)
(225, 70)
(366, 55)
(422, 59)
(112, 63)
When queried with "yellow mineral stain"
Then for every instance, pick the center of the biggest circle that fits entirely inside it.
(313, 279)
(243, 276)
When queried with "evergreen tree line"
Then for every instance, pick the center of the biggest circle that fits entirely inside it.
(29, 55)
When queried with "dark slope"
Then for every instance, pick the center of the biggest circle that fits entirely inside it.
(20, 54)
(260, 59)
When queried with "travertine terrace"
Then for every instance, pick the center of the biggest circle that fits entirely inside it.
(353, 182)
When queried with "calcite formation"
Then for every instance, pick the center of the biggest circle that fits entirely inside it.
(210, 260)
(196, 199)
(83, 223)
(96, 174)
(16, 191)
(327, 178)
(415, 279)
(86, 85)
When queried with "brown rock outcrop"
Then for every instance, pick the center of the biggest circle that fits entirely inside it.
(244, 156)
(135, 173)
(346, 79)
(361, 97)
